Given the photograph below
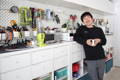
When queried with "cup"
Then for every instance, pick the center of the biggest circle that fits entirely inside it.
(93, 42)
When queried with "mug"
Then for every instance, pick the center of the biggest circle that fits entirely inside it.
(93, 42)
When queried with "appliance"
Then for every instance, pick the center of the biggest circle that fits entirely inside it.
(50, 38)
(41, 39)
(64, 36)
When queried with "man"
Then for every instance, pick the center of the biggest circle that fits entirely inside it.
(92, 38)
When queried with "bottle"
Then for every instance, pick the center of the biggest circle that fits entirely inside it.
(26, 32)
(4, 36)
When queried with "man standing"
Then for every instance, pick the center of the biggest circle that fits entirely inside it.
(92, 38)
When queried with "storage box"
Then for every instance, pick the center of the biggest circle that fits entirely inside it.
(61, 73)
(47, 77)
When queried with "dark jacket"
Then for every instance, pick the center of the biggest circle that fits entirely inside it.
(92, 53)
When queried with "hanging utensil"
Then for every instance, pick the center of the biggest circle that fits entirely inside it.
(14, 9)
(57, 19)
(48, 15)
(25, 16)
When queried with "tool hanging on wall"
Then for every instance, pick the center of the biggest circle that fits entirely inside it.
(14, 9)
(33, 19)
(35, 14)
(48, 14)
(52, 15)
(42, 14)
(57, 19)
(25, 16)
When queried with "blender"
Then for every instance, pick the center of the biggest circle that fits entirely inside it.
(41, 39)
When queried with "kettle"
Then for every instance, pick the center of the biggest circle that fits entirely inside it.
(41, 39)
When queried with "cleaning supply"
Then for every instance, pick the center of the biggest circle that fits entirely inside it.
(75, 70)
(75, 67)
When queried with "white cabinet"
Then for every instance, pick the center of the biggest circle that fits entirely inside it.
(13, 62)
(76, 52)
(60, 51)
(21, 74)
(41, 69)
(60, 55)
(41, 55)
(60, 62)
(38, 62)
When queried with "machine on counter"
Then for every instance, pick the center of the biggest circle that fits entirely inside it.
(64, 36)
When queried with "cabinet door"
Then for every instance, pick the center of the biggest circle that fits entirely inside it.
(41, 56)
(76, 52)
(60, 51)
(13, 62)
(41, 69)
(60, 62)
(77, 49)
(22, 74)
(76, 56)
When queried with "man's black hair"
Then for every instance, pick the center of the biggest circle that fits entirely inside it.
(86, 14)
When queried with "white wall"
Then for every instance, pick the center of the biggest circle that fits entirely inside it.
(116, 37)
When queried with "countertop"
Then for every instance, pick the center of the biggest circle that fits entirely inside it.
(26, 50)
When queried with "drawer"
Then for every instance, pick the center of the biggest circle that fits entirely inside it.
(77, 56)
(76, 47)
(22, 74)
(13, 62)
(61, 51)
(41, 69)
(43, 55)
(60, 62)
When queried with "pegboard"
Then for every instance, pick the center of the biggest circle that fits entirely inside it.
(6, 4)
(6, 15)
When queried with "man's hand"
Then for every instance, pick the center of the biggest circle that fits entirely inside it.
(93, 42)
(89, 42)
(97, 40)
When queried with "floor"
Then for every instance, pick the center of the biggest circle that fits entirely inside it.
(114, 74)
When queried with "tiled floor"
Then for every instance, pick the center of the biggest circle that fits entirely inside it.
(114, 74)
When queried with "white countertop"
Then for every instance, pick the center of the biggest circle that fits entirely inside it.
(34, 49)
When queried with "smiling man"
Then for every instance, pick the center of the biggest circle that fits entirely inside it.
(92, 38)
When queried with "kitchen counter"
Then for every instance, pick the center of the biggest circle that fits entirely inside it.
(24, 50)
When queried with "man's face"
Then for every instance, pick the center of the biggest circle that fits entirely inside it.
(88, 21)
